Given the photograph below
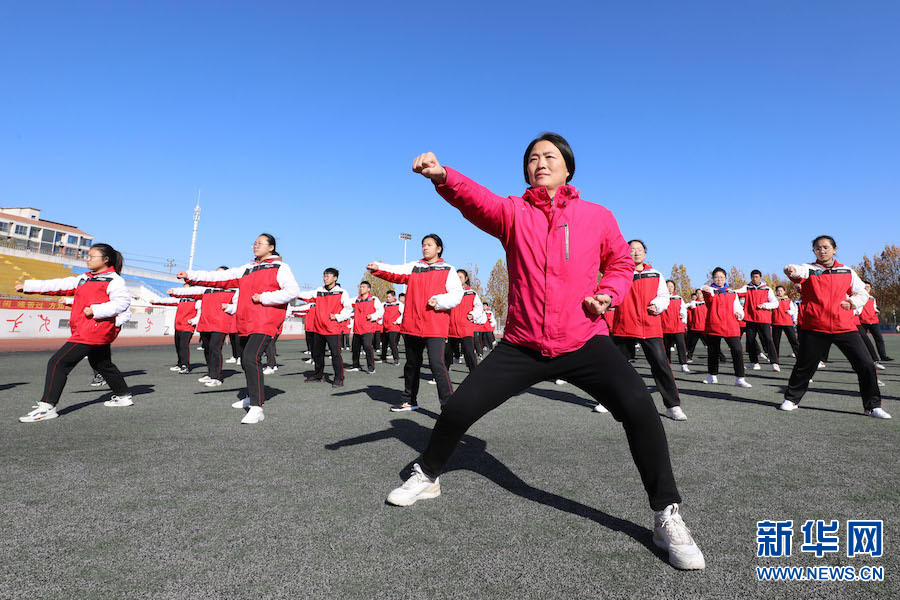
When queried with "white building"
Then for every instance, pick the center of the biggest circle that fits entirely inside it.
(24, 227)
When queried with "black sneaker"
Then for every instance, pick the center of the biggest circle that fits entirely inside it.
(338, 384)
(406, 406)
(314, 378)
(98, 381)
(183, 371)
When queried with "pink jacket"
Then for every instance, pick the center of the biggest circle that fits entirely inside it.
(553, 254)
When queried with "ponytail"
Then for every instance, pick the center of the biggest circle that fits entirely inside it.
(113, 257)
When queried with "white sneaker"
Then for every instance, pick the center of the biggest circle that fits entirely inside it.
(309, 361)
(788, 405)
(878, 365)
(183, 370)
(254, 415)
(793, 355)
(307, 352)
(242, 403)
(776, 367)
(231, 360)
(671, 534)
(685, 369)
(878, 413)
(213, 383)
(174, 368)
(352, 369)
(763, 356)
(40, 412)
(199, 348)
(238, 361)
(676, 414)
(119, 401)
(880, 382)
(600, 408)
(418, 487)
(690, 361)
(378, 360)
(711, 379)
(821, 365)
(560, 382)
(204, 379)
(269, 370)
(741, 382)
(432, 382)
(755, 366)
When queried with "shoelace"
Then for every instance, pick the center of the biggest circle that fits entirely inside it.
(676, 529)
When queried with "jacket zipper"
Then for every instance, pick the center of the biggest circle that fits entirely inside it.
(566, 227)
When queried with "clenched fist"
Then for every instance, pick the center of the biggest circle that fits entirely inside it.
(428, 166)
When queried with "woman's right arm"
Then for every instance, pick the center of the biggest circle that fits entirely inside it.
(227, 278)
(486, 210)
(51, 287)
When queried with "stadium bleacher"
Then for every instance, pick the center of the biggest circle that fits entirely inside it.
(159, 286)
(15, 268)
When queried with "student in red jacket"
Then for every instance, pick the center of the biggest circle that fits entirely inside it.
(464, 317)
(432, 289)
(759, 302)
(830, 291)
(100, 296)
(783, 319)
(213, 325)
(393, 315)
(185, 324)
(674, 320)
(332, 311)
(367, 310)
(723, 316)
(265, 287)
(869, 324)
(638, 321)
(556, 243)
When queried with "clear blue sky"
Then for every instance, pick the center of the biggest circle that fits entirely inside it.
(722, 133)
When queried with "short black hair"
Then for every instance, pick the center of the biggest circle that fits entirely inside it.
(402, 294)
(365, 282)
(671, 281)
(641, 242)
(437, 240)
(777, 287)
(331, 271)
(825, 237)
(390, 292)
(465, 273)
(561, 144)
(755, 272)
(717, 269)
(222, 267)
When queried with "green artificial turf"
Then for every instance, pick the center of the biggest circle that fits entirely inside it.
(172, 498)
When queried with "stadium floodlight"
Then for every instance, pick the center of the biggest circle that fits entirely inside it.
(405, 237)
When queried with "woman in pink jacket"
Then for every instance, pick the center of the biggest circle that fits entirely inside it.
(556, 244)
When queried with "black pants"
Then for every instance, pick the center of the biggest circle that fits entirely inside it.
(271, 351)
(212, 349)
(363, 341)
(251, 361)
(310, 335)
(713, 348)
(390, 339)
(812, 348)
(478, 342)
(337, 362)
(867, 342)
(183, 348)
(487, 339)
(875, 330)
(599, 369)
(765, 335)
(235, 340)
(791, 334)
(468, 351)
(415, 348)
(377, 340)
(345, 340)
(61, 364)
(659, 366)
(677, 340)
(692, 337)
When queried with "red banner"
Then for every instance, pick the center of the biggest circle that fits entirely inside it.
(33, 304)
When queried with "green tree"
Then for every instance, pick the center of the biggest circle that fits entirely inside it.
(497, 292)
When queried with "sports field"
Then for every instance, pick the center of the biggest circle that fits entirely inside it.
(172, 498)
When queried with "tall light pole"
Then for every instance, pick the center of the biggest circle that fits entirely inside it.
(194, 236)
(405, 237)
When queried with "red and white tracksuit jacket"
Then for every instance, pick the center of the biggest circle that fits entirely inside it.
(785, 314)
(554, 250)
(490, 323)
(870, 311)
(696, 316)
(460, 325)
(648, 288)
(724, 311)
(754, 296)
(334, 301)
(366, 312)
(823, 290)
(213, 317)
(393, 316)
(675, 316)
(425, 281)
(272, 279)
(104, 292)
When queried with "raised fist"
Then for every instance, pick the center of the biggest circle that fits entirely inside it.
(428, 166)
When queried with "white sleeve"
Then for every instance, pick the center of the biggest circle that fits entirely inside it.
(493, 321)
(454, 294)
(406, 269)
(196, 319)
(191, 290)
(119, 300)
(771, 302)
(232, 308)
(661, 302)
(379, 310)
(41, 286)
(706, 288)
(123, 318)
(347, 310)
(215, 276)
(307, 295)
(800, 272)
(683, 313)
(875, 306)
(738, 308)
(400, 318)
(792, 311)
(289, 288)
(858, 294)
(479, 317)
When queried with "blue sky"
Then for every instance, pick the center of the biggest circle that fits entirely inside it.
(722, 133)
